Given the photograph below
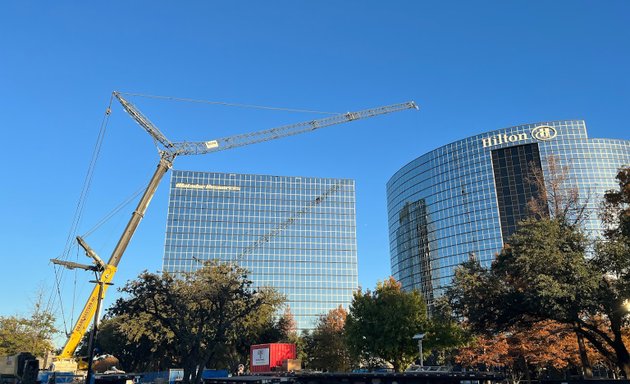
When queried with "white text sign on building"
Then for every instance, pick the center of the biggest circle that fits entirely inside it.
(542, 132)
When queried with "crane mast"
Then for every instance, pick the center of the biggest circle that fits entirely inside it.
(110, 268)
(168, 152)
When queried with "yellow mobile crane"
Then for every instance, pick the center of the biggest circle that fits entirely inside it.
(168, 151)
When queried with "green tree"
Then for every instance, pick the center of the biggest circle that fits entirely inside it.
(28, 334)
(475, 296)
(328, 349)
(612, 261)
(138, 349)
(261, 326)
(543, 274)
(303, 343)
(287, 326)
(203, 312)
(381, 324)
(614, 250)
(444, 334)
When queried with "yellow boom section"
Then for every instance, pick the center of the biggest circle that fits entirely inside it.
(88, 313)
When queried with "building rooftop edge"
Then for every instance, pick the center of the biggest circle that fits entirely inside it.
(266, 175)
(487, 133)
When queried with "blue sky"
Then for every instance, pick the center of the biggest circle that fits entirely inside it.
(472, 66)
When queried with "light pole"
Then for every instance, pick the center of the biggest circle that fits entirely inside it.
(419, 337)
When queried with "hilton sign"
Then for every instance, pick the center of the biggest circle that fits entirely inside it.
(542, 132)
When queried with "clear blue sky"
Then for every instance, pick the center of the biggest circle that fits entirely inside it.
(473, 66)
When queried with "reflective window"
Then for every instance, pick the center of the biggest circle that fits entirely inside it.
(295, 234)
(455, 202)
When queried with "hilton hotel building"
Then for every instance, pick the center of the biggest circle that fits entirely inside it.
(468, 196)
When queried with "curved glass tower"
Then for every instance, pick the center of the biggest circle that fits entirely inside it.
(466, 198)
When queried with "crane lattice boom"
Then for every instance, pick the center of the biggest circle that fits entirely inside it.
(200, 148)
(221, 144)
(143, 121)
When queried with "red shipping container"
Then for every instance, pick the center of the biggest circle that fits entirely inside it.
(265, 357)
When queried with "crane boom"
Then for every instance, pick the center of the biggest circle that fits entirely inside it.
(87, 314)
(203, 147)
(143, 121)
(168, 152)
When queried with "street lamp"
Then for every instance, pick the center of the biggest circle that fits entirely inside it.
(419, 337)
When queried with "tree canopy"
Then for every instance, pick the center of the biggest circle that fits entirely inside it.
(199, 316)
(28, 334)
(381, 324)
(138, 347)
(261, 326)
(445, 334)
(546, 345)
(328, 347)
(548, 271)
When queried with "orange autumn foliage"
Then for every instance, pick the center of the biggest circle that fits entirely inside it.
(546, 344)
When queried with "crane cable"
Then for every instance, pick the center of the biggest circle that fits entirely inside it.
(251, 106)
(117, 209)
(79, 213)
(88, 180)
(51, 301)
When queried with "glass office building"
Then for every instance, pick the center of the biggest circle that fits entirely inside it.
(466, 198)
(295, 234)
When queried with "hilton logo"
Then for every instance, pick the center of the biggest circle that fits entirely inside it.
(542, 132)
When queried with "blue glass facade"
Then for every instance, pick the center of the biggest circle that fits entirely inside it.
(295, 234)
(466, 197)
